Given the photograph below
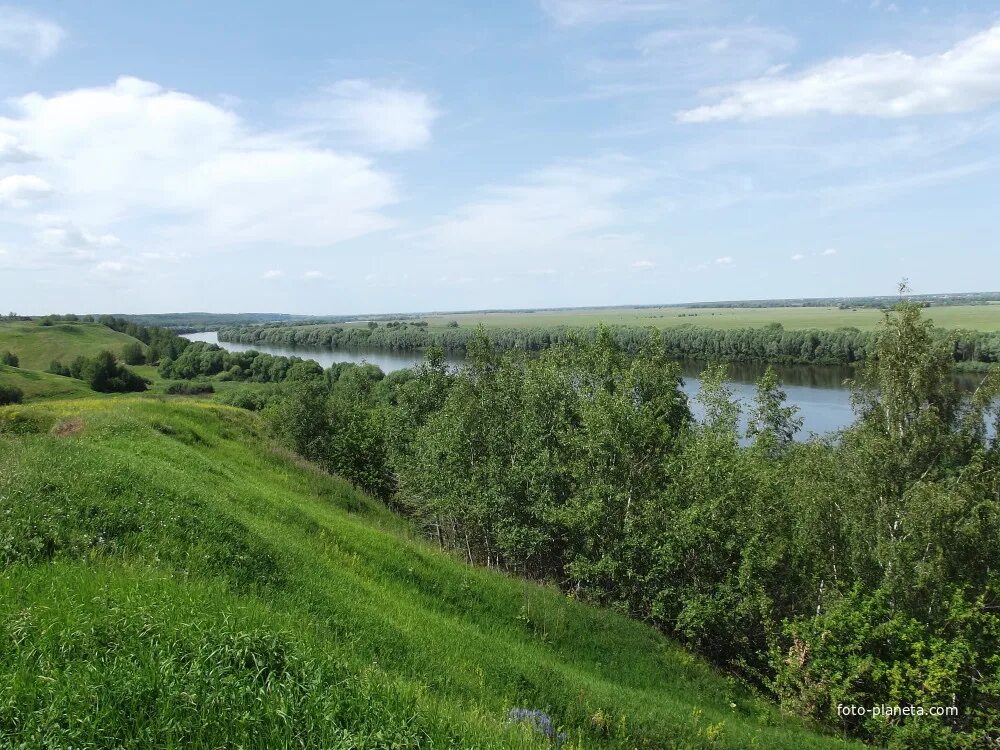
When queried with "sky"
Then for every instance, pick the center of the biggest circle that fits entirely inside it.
(347, 157)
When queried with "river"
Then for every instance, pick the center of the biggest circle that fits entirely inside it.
(819, 392)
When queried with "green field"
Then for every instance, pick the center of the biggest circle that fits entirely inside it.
(37, 345)
(170, 579)
(977, 317)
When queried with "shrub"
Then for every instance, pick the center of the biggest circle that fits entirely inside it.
(189, 389)
(9, 358)
(10, 394)
(132, 354)
(104, 374)
(251, 399)
(58, 368)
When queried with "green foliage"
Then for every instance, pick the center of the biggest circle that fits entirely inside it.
(189, 389)
(772, 424)
(103, 373)
(10, 359)
(336, 426)
(10, 394)
(246, 397)
(202, 360)
(862, 649)
(132, 354)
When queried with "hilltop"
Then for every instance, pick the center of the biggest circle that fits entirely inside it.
(38, 343)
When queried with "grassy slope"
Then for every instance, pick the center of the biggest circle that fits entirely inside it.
(36, 346)
(41, 385)
(169, 580)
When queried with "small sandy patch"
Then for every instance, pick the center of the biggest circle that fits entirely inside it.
(68, 427)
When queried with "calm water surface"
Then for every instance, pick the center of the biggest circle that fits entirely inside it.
(819, 392)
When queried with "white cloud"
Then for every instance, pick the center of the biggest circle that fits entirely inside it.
(583, 12)
(312, 275)
(65, 234)
(272, 274)
(558, 208)
(643, 265)
(19, 190)
(11, 151)
(381, 117)
(797, 257)
(725, 260)
(27, 35)
(829, 251)
(893, 84)
(189, 172)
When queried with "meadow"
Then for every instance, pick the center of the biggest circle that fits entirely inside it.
(985, 317)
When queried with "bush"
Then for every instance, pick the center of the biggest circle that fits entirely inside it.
(251, 399)
(58, 368)
(10, 395)
(133, 355)
(9, 358)
(189, 389)
(104, 374)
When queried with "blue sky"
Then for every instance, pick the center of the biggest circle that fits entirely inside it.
(399, 156)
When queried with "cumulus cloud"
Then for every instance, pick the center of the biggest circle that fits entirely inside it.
(829, 251)
(725, 260)
(272, 274)
(190, 172)
(19, 190)
(312, 275)
(797, 257)
(381, 117)
(643, 265)
(28, 35)
(894, 84)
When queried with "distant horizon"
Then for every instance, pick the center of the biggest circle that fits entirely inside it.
(703, 303)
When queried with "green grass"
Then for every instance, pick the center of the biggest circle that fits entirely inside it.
(41, 385)
(976, 317)
(36, 345)
(169, 579)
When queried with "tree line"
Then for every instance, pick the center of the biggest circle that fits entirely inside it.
(773, 343)
(856, 569)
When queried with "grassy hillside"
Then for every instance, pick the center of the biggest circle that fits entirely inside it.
(41, 385)
(168, 579)
(36, 345)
